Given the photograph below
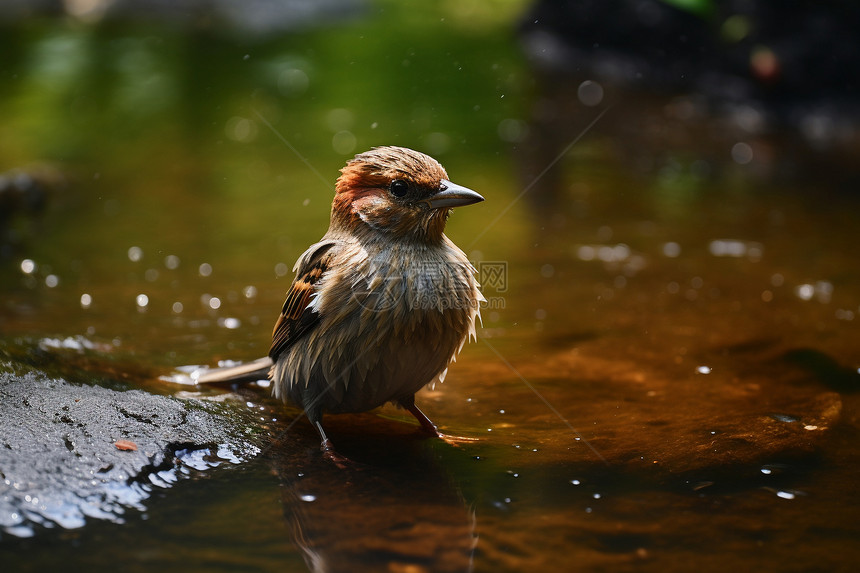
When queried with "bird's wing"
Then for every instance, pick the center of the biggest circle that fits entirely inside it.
(297, 317)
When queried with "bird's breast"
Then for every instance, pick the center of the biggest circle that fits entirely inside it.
(391, 322)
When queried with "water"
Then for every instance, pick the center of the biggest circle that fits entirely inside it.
(667, 373)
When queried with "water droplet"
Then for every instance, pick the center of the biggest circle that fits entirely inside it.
(135, 254)
(586, 252)
(844, 314)
(51, 281)
(86, 300)
(823, 291)
(205, 270)
(142, 300)
(590, 93)
(671, 250)
(241, 129)
(742, 153)
(293, 82)
(437, 142)
(339, 119)
(512, 130)
(344, 142)
(28, 266)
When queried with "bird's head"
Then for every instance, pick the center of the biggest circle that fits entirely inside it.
(399, 191)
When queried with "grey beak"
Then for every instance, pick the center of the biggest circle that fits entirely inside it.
(452, 195)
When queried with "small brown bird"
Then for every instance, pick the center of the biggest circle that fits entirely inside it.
(384, 302)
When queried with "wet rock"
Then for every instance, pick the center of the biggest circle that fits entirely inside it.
(72, 452)
(24, 195)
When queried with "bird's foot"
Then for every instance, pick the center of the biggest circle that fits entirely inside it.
(337, 459)
(456, 441)
(330, 454)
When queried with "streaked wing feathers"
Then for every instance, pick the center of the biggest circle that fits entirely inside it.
(296, 318)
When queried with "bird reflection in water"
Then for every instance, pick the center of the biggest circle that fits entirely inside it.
(393, 507)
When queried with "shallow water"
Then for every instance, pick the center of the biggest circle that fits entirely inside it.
(667, 373)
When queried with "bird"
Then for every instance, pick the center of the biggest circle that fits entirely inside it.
(383, 303)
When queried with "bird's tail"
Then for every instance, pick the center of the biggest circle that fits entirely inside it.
(230, 373)
(245, 372)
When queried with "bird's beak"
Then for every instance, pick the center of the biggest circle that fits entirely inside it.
(452, 195)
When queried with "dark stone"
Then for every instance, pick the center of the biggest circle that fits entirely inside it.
(60, 462)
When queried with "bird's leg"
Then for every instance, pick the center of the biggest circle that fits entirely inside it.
(314, 414)
(327, 447)
(426, 424)
(325, 444)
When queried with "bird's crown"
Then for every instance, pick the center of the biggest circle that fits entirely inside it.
(381, 165)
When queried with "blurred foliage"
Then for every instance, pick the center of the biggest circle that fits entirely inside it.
(78, 91)
(702, 8)
(217, 147)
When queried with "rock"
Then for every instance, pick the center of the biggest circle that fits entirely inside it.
(72, 452)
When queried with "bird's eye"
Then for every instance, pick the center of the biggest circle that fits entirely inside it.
(398, 187)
